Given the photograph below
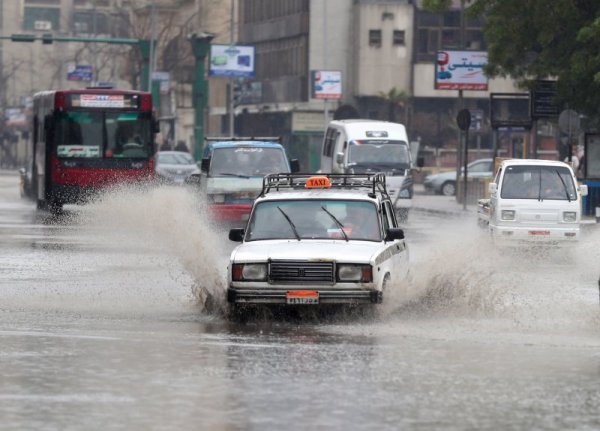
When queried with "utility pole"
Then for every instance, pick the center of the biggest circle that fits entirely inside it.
(231, 81)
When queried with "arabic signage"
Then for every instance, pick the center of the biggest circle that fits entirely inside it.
(542, 100)
(80, 72)
(461, 70)
(326, 84)
(101, 101)
(231, 60)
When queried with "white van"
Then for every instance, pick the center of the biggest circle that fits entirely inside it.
(533, 202)
(362, 146)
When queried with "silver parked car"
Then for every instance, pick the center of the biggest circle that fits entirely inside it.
(445, 182)
(174, 167)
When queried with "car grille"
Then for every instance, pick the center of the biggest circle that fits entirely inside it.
(293, 271)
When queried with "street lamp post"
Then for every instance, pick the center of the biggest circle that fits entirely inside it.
(200, 46)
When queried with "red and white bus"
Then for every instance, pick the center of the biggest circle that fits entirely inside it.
(84, 140)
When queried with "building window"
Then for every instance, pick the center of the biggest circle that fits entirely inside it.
(398, 37)
(442, 31)
(90, 23)
(375, 38)
(41, 19)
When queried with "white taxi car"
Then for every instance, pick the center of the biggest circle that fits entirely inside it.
(326, 239)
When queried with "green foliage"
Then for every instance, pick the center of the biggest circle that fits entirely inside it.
(394, 98)
(542, 39)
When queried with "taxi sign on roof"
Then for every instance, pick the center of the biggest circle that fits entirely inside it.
(318, 182)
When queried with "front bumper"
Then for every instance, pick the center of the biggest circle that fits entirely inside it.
(326, 296)
(229, 212)
(535, 236)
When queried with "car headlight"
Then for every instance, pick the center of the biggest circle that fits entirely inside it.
(570, 216)
(405, 193)
(249, 272)
(507, 214)
(218, 199)
(355, 272)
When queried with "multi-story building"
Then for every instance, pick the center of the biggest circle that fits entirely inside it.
(386, 52)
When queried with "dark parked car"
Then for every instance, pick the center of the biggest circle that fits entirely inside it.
(174, 167)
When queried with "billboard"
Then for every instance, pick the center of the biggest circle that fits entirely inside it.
(326, 84)
(461, 70)
(232, 60)
(80, 72)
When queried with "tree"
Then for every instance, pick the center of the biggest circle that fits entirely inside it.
(539, 39)
(395, 99)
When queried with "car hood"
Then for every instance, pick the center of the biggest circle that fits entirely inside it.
(234, 185)
(306, 249)
(184, 169)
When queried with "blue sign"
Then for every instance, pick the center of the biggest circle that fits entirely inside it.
(81, 72)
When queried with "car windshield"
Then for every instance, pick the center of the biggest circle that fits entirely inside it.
(538, 182)
(314, 219)
(247, 161)
(174, 159)
(379, 152)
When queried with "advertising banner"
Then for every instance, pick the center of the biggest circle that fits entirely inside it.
(326, 84)
(231, 60)
(461, 70)
(80, 72)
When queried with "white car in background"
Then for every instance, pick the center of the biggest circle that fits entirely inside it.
(174, 167)
(326, 239)
(445, 182)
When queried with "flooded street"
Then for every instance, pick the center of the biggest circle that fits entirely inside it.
(103, 326)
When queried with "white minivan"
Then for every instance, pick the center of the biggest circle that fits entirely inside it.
(533, 202)
(361, 146)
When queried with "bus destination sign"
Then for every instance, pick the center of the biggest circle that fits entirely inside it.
(104, 101)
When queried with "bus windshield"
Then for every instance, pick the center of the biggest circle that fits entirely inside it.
(101, 134)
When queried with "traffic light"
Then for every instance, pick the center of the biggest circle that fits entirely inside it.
(22, 37)
(237, 92)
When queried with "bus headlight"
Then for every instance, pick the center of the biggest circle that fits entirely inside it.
(570, 216)
(507, 214)
(355, 272)
(249, 272)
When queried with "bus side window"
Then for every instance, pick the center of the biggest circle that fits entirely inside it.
(48, 128)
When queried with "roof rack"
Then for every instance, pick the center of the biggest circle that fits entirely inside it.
(375, 182)
(244, 138)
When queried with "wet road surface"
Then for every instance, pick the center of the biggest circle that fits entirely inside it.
(102, 326)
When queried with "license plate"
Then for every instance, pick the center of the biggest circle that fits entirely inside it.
(179, 179)
(539, 232)
(295, 297)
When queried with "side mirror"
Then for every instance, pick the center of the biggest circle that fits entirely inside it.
(294, 165)
(205, 164)
(193, 179)
(339, 158)
(583, 189)
(492, 187)
(394, 233)
(236, 234)
(420, 162)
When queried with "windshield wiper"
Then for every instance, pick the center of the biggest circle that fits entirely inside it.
(289, 220)
(229, 174)
(564, 185)
(336, 222)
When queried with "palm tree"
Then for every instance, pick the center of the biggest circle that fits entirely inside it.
(395, 99)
